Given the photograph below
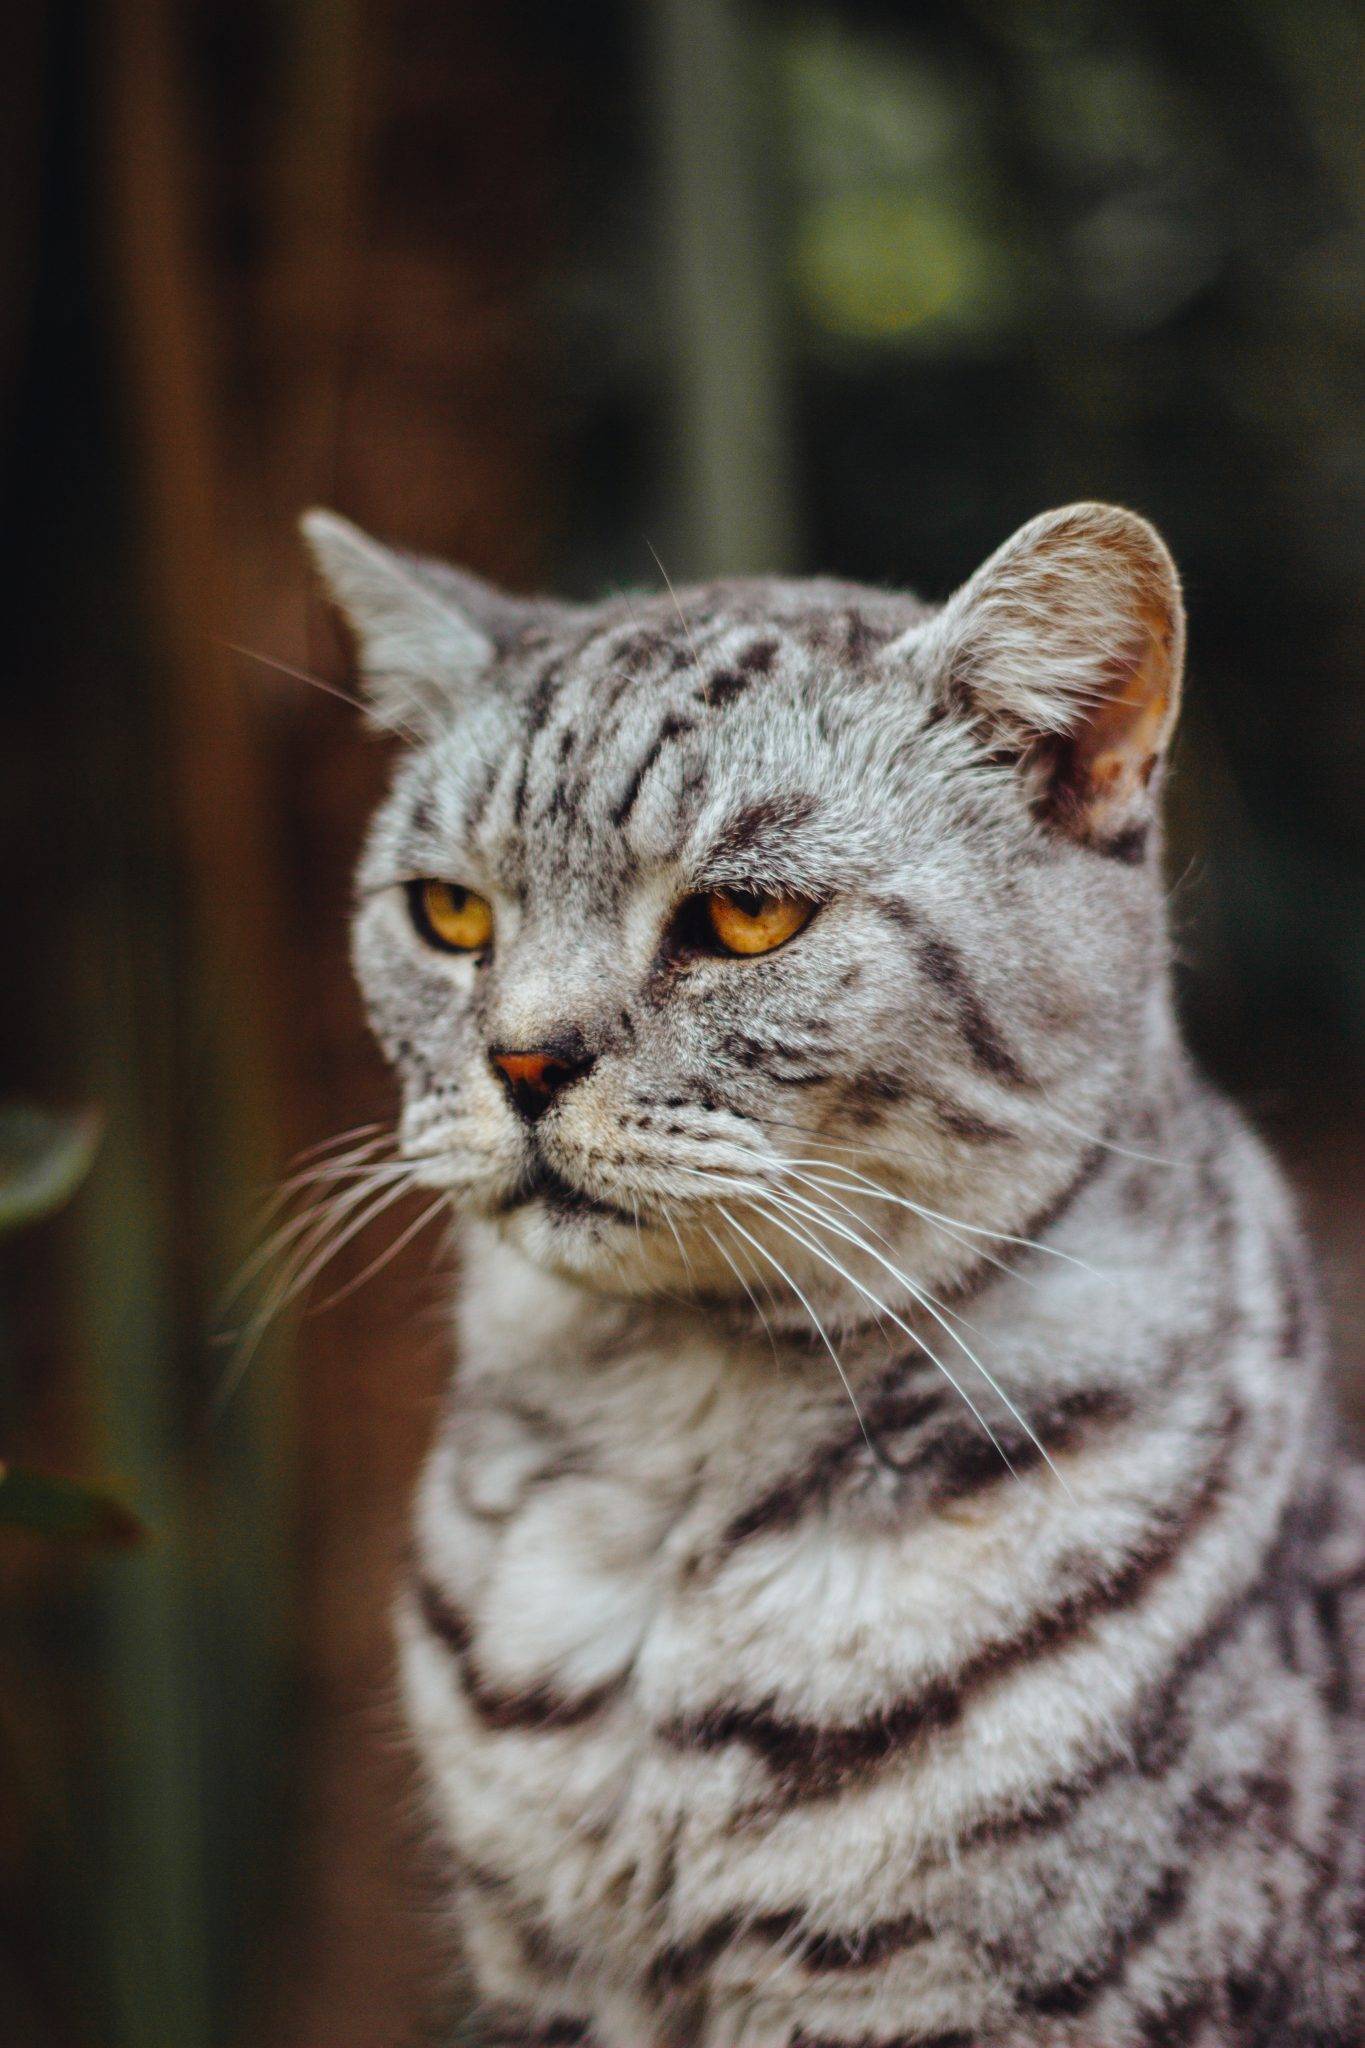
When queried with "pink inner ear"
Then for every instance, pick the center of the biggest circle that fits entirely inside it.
(1101, 770)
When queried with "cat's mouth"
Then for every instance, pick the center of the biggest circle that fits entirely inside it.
(541, 1182)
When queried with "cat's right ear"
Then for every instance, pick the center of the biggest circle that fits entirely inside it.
(1064, 653)
(419, 652)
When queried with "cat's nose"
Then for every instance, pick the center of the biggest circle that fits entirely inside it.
(533, 1079)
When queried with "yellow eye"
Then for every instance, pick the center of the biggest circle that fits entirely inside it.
(450, 917)
(751, 921)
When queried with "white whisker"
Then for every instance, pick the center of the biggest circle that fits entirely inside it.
(950, 1223)
(1109, 1144)
(765, 1253)
(369, 1130)
(390, 1252)
(935, 1309)
(753, 1298)
(363, 1179)
(837, 1266)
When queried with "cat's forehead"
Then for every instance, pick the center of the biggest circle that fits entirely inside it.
(622, 735)
(699, 630)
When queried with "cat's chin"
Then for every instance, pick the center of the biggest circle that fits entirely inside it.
(609, 1250)
(595, 1247)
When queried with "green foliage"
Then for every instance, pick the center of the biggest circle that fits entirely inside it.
(62, 1508)
(43, 1160)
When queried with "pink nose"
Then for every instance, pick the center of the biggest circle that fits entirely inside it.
(533, 1079)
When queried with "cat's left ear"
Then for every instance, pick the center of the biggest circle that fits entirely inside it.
(1066, 650)
(420, 649)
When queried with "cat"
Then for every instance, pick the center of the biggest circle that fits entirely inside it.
(886, 1576)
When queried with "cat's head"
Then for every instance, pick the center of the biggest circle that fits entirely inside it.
(691, 918)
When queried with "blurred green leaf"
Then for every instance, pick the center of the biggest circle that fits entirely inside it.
(60, 1507)
(43, 1160)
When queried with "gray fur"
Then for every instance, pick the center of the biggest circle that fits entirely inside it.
(1023, 1709)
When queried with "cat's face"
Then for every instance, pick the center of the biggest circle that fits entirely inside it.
(685, 920)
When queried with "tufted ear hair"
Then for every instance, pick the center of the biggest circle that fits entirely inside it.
(420, 647)
(1066, 650)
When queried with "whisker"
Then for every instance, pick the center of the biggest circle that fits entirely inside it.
(936, 1310)
(303, 675)
(1045, 1108)
(682, 621)
(378, 1265)
(949, 1223)
(1109, 1145)
(339, 1224)
(764, 1252)
(666, 1211)
(682, 1248)
(318, 1171)
(386, 1198)
(837, 1266)
(364, 1177)
(925, 1301)
(828, 1187)
(753, 1298)
(340, 1138)
(343, 1166)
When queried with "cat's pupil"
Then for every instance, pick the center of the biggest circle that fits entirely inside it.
(748, 902)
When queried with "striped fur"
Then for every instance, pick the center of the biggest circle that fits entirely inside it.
(999, 1685)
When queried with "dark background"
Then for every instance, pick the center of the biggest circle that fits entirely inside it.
(543, 288)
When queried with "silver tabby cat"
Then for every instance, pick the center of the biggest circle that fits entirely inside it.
(886, 1577)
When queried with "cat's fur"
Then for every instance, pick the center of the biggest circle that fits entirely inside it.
(1032, 1715)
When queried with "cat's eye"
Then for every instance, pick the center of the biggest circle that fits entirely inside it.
(449, 917)
(749, 921)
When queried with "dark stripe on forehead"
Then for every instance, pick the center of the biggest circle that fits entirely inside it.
(749, 667)
(762, 826)
(723, 685)
(537, 714)
(479, 802)
(673, 727)
(541, 702)
(757, 658)
(637, 647)
(589, 738)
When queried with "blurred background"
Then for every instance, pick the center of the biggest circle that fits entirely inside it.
(541, 288)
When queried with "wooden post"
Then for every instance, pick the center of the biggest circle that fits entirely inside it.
(730, 497)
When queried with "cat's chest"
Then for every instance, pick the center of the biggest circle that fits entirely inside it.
(568, 1551)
